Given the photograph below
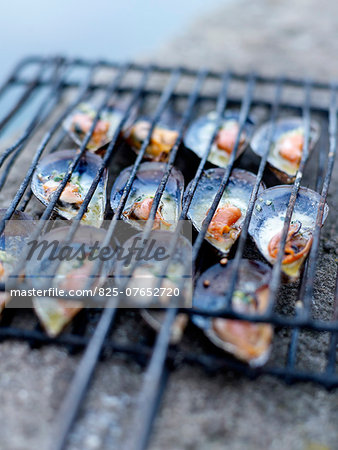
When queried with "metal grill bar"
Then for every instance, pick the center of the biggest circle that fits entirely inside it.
(312, 261)
(276, 271)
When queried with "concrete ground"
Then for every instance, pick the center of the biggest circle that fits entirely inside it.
(199, 411)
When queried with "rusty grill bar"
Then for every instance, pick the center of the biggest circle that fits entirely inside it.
(55, 75)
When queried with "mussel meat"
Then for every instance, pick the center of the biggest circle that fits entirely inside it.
(140, 199)
(286, 146)
(80, 121)
(50, 172)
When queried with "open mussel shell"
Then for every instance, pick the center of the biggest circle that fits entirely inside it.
(142, 285)
(72, 274)
(267, 222)
(155, 320)
(15, 235)
(78, 123)
(137, 208)
(12, 244)
(161, 142)
(55, 314)
(198, 136)
(236, 195)
(288, 127)
(50, 172)
(5, 298)
(249, 342)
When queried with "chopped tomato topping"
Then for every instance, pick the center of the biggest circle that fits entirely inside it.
(223, 219)
(141, 211)
(82, 123)
(70, 194)
(296, 245)
(291, 147)
(226, 138)
(162, 140)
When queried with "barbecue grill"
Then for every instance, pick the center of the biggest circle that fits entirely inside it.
(43, 92)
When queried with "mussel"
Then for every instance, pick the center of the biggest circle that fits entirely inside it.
(142, 285)
(226, 224)
(72, 273)
(286, 145)
(12, 244)
(80, 121)
(51, 171)
(268, 220)
(249, 342)
(199, 134)
(161, 141)
(140, 199)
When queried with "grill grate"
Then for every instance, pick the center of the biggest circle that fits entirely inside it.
(60, 84)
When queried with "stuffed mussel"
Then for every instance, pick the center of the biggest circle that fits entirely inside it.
(142, 285)
(249, 342)
(286, 147)
(50, 172)
(161, 141)
(72, 274)
(226, 224)
(12, 244)
(199, 134)
(80, 121)
(140, 199)
(268, 220)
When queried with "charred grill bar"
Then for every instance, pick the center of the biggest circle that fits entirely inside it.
(54, 74)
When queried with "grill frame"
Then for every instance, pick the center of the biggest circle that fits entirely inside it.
(157, 356)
